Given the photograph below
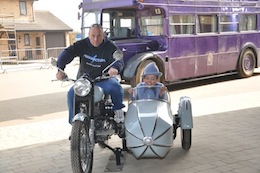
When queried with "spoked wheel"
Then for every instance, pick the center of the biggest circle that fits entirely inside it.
(186, 138)
(81, 150)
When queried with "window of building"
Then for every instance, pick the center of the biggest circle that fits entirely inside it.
(38, 41)
(207, 24)
(229, 23)
(23, 9)
(182, 24)
(26, 39)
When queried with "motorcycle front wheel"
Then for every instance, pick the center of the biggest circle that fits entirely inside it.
(81, 150)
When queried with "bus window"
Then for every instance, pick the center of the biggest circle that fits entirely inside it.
(124, 30)
(207, 24)
(247, 22)
(182, 24)
(229, 23)
(151, 25)
(151, 22)
(105, 22)
(89, 18)
(118, 24)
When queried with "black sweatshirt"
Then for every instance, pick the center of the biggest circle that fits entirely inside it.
(93, 60)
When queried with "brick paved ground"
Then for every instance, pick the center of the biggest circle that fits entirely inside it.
(226, 142)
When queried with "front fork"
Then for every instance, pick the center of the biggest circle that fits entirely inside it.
(91, 127)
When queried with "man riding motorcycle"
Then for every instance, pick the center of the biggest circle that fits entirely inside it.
(96, 53)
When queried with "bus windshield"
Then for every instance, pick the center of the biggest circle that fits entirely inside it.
(119, 23)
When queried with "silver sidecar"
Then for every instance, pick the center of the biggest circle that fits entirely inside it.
(149, 123)
(150, 126)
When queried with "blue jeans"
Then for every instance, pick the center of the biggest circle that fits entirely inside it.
(110, 86)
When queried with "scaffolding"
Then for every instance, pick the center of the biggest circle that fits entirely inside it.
(8, 44)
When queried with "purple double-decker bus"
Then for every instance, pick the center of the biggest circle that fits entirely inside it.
(187, 39)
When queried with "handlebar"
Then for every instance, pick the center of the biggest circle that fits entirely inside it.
(64, 80)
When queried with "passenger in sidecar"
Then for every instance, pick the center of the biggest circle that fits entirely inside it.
(149, 120)
(150, 87)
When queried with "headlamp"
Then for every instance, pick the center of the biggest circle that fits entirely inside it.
(82, 87)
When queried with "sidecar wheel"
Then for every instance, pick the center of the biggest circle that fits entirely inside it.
(81, 150)
(186, 139)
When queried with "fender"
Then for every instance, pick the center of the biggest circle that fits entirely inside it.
(134, 62)
(79, 117)
(185, 113)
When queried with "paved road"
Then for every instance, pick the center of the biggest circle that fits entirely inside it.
(34, 132)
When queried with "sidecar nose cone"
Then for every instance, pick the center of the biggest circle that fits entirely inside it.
(148, 141)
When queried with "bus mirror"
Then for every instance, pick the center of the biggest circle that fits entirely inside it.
(80, 6)
(79, 16)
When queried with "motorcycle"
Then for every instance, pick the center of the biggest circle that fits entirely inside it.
(148, 130)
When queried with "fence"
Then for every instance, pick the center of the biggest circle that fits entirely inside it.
(27, 58)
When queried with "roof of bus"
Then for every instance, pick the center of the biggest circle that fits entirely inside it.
(94, 5)
(100, 4)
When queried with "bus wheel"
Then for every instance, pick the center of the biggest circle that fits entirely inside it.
(139, 71)
(246, 64)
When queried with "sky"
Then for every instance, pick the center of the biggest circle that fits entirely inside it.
(65, 10)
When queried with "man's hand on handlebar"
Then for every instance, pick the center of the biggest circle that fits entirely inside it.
(112, 72)
(60, 75)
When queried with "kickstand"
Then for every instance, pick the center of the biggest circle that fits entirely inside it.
(118, 153)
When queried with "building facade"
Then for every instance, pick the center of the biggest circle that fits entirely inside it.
(23, 28)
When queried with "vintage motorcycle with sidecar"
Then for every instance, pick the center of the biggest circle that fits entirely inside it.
(147, 132)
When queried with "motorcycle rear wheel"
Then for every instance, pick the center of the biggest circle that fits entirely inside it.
(81, 150)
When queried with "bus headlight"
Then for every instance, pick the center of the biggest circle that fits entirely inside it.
(82, 87)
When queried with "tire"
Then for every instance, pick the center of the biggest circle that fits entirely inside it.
(246, 64)
(139, 71)
(186, 139)
(81, 152)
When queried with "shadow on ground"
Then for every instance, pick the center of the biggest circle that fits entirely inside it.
(201, 82)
